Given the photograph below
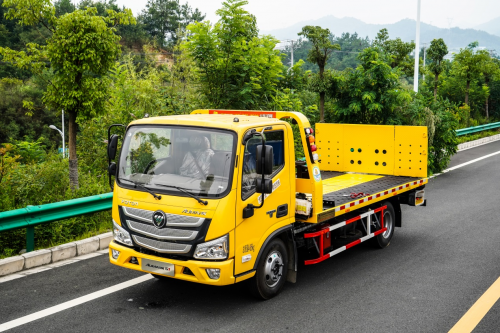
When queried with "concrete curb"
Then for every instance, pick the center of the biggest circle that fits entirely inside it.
(61, 252)
(479, 142)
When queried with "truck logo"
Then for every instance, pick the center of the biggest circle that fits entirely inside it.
(194, 212)
(159, 219)
(271, 212)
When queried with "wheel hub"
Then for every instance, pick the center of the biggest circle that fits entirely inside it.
(273, 269)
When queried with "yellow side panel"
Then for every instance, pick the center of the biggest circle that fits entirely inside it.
(374, 149)
(329, 140)
(369, 149)
(411, 151)
(345, 181)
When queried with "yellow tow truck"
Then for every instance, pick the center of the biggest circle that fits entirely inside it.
(219, 197)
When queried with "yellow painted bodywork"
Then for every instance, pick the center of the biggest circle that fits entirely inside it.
(346, 180)
(247, 236)
(375, 149)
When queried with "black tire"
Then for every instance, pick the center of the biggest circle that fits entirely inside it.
(384, 239)
(271, 271)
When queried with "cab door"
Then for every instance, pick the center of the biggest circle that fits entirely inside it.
(252, 232)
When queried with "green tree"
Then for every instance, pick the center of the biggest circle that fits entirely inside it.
(162, 19)
(372, 93)
(436, 53)
(490, 70)
(81, 49)
(397, 50)
(236, 68)
(467, 65)
(322, 48)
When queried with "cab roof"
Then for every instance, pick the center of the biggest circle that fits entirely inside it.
(225, 121)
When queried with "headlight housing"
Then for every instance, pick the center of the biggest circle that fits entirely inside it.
(216, 249)
(121, 235)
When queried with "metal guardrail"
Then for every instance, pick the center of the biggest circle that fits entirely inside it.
(475, 129)
(31, 216)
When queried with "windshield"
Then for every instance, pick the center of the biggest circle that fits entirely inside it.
(164, 157)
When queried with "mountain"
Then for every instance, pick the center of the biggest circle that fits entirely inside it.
(405, 29)
(492, 27)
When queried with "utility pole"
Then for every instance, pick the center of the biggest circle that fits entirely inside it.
(417, 42)
(291, 63)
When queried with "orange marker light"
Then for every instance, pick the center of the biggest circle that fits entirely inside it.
(311, 139)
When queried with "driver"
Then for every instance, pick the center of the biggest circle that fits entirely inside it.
(196, 162)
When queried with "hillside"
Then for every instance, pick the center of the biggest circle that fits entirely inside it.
(492, 27)
(405, 29)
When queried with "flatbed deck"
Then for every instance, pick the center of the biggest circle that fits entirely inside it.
(338, 187)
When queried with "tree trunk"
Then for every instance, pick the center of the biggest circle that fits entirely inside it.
(467, 92)
(435, 86)
(322, 107)
(73, 161)
(321, 97)
(487, 82)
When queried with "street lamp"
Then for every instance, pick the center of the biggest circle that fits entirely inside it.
(62, 136)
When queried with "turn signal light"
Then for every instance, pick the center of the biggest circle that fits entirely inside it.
(311, 139)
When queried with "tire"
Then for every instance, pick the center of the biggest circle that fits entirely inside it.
(271, 271)
(384, 239)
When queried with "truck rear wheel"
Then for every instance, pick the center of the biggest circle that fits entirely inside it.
(384, 239)
(271, 270)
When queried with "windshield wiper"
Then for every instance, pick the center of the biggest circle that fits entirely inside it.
(157, 197)
(204, 202)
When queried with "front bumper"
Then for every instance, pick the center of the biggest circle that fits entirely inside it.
(197, 267)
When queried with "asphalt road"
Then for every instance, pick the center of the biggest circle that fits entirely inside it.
(439, 263)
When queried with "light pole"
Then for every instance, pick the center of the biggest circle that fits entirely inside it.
(62, 135)
(417, 42)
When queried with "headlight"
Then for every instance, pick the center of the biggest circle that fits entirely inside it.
(214, 250)
(121, 235)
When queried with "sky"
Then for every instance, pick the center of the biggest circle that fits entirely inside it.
(275, 14)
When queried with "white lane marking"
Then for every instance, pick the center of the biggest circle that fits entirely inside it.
(466, 163)
(69, 304)
(11, 277)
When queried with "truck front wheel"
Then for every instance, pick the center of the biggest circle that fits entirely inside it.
(271, 270)
(384, 238)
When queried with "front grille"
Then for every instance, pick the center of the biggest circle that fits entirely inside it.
(177, 239)
(162, 247)
(165, 233)
(173, 220)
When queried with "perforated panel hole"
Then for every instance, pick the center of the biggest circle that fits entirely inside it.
(359, 150)
(376, 151)
(384, 164)
(359, 162)
(384, 151)
(376, 163)
(352, 150)
(352, 161)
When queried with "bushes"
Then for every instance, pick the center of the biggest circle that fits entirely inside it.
(47, 182)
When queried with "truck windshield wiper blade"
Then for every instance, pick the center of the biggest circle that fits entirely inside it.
(204, 202)
(157, 197)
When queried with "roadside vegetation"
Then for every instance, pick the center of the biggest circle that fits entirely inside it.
(102, 66)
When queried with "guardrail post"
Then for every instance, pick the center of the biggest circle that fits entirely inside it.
(30, 238)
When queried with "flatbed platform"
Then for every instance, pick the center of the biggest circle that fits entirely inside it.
(338, 187)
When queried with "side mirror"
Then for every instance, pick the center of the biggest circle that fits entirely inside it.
(268, 160)
(112, 169)
(112, 146)
(266, 187)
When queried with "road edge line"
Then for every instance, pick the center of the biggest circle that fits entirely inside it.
(69, 304)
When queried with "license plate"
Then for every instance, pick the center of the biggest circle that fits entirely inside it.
(157, 267)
